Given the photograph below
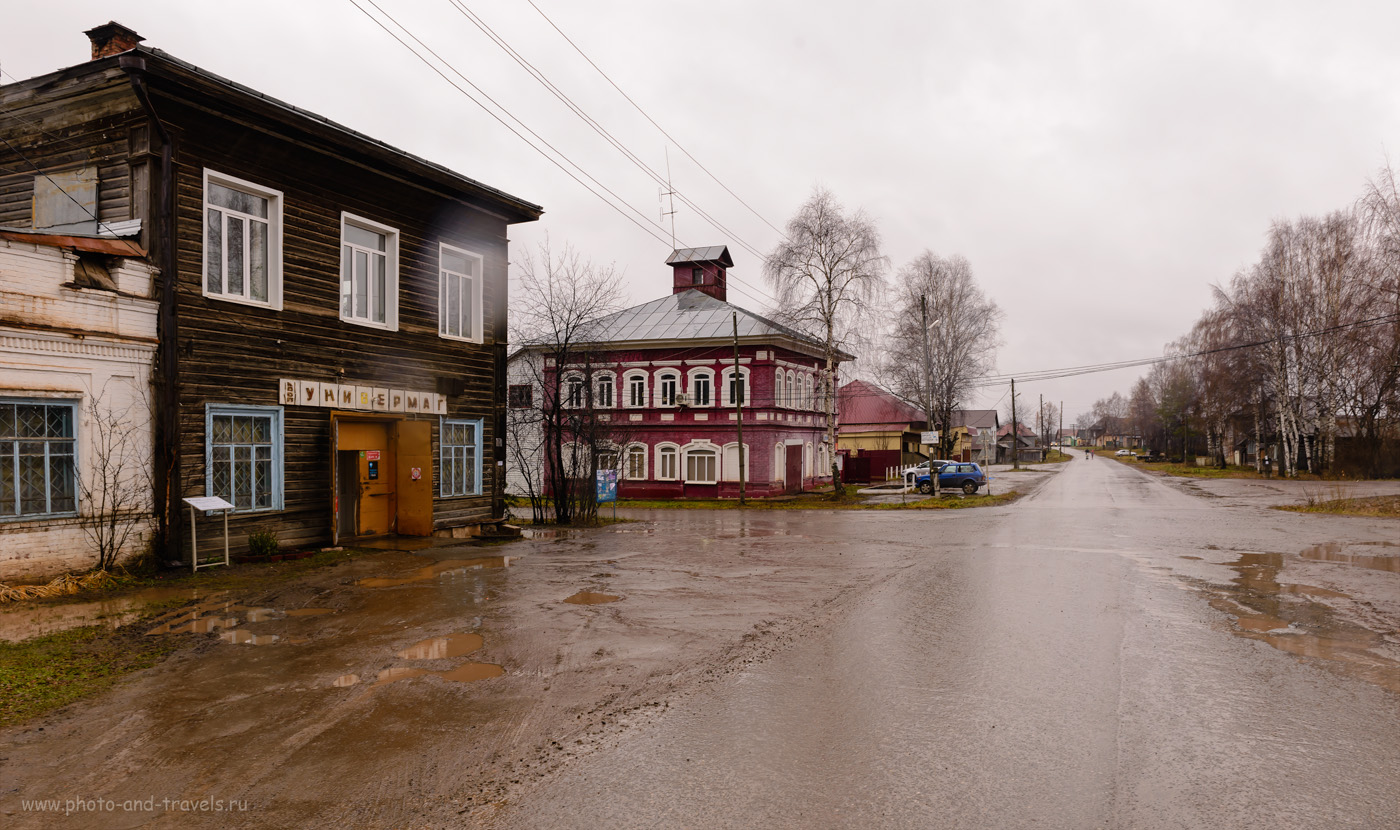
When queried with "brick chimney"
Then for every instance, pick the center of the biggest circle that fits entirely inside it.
(111, 38)
(702, 269)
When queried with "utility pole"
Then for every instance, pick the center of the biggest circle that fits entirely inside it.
(739, 407)
(1015, 431)
(1040, 426)
(928, 389)
(1060, 431)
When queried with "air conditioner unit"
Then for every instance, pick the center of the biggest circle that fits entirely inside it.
(682, 399)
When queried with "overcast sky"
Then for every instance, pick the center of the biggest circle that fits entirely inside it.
(1101, 165)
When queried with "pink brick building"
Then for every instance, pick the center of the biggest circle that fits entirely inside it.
(662, 373)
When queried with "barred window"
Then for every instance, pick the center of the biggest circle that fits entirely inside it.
(245, 456)
(461, 458)
(38, 475)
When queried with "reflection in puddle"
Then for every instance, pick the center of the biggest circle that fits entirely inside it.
(1191, 557)
(346, 680)
(31, 620)
(249, 638)
(200, 625)
(591, 598)
(465, 673)
(1338, 552)
(309, 612)
(435, 570)
(437, 648)
(1285, 616)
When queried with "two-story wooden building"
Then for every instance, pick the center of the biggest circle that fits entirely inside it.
(664, 375)
(332, 309)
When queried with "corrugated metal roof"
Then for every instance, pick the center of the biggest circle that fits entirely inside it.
(714, 253)
(864, 404)
(690, 315)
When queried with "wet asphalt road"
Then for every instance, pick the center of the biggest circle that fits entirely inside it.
(1073, 662)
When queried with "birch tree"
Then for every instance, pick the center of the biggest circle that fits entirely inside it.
(826, 275)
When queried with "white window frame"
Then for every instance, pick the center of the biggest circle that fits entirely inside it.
(475, 281)
(725, 472)
(627, 378)
(695, 375)
(778, 387)
(661, 378)
(674, 451)
(566, 389)
(692, 449)
(627, 462)
(9, 452)
(391, 272)
(791, 391)
(748, 386)
(274, 241)
(447, 488)
(213, 410)
(601, 381)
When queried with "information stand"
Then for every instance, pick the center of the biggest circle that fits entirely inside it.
(208, 504)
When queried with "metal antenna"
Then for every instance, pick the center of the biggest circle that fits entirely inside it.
(668, 193)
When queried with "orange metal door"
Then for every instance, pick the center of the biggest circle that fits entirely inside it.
(375, 474)
(413, 448)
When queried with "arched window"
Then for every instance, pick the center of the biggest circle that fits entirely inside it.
(778, 388)
(636, 468)
(668, 385)
(666, 456)
(634, 384)
(791, 392)
(729, 466)
(575, 390)
(779, 462)
(702, 387)
(739, 390)
(806, 391)
(807, 460)
(603, 383)
(701, 464)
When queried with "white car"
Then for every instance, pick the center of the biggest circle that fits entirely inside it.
(1126, 453)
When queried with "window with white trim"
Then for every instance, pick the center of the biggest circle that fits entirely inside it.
(636, 389)
(603, 390)
(701, 465)
(666, 455)
(778, 387)
(668, 383)
(242, 241)
(790, 390)
(459, 294)
(369, 273)
(38, 471)
(243, 455)
(636, 469)
(736, 391)
(575, 389)
(729, 468)
(460, 462)
(702, 383)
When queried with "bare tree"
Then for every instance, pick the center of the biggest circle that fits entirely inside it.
(964, 332)
(826, 274)
(114, 491)
(559, 305)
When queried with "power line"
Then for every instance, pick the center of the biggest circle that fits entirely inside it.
(648, 117)
(40, 171)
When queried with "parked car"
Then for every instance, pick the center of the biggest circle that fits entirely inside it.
(1125, 453)
(911, 474)
(955, 475)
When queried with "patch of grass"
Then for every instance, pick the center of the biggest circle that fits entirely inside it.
(1385, 507)
(1188, 470)
(1053, 457)
(950, 502)
(44, 673)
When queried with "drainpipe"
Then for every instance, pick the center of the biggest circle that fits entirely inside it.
(167, 471)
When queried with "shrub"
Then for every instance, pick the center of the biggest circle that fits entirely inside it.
(263, 543)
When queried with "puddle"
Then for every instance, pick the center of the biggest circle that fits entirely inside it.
(1287, 617)
(465, 673)
(540, 532)
(1344, 553)
(437, 648)
(263, 614)
(591, 598)
(435, 570)
(308, 612)
(249, 638)
(202, 625)
(1198, 558)
(26, 620)
(346, 680)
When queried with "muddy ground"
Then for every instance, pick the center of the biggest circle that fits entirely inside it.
(358, 696)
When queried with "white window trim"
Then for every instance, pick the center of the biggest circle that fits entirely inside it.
(748, 462)
(274, 239)
(278, 449)
(656, 391)
(627, 390)
(477, 426)
(661, 448)
(792, 389)
(723, 394)
(565, 384)
(778, 387)
(477, 294)
(611, 379)
(391, 272)
(627, 461)
(684, 468)
(694, 375)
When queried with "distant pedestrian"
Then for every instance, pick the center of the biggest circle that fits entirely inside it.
(1267, 462)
